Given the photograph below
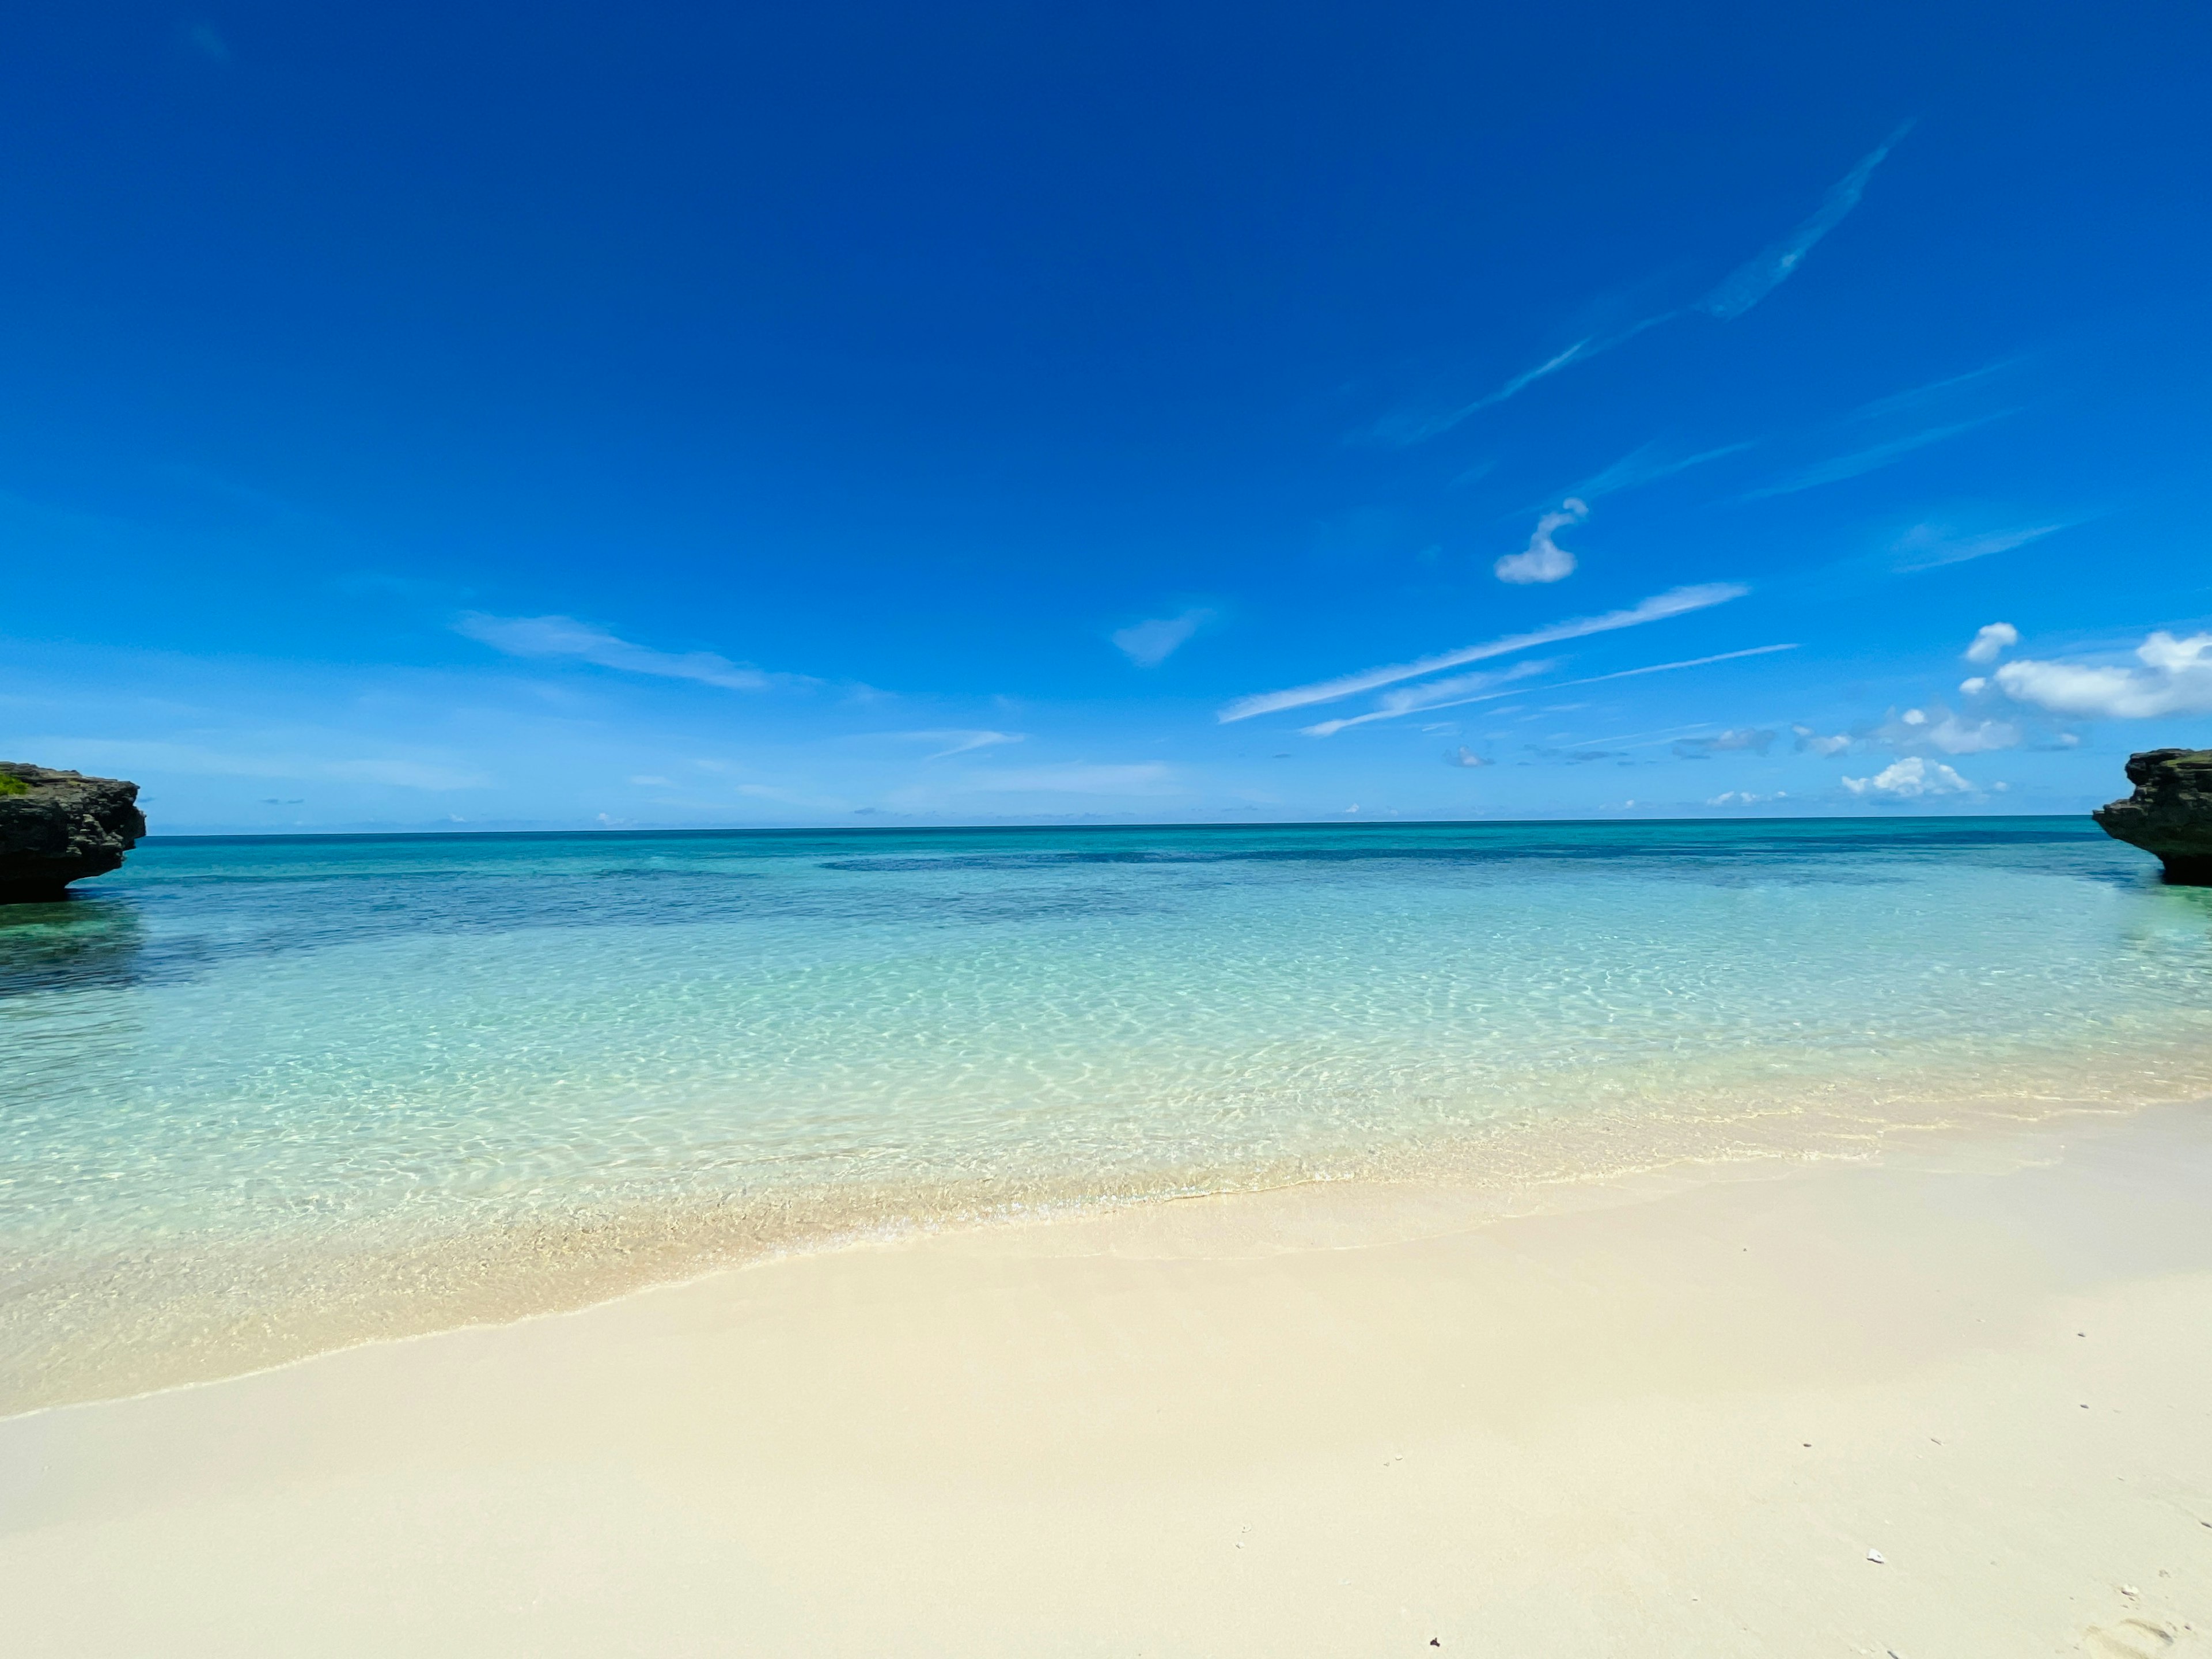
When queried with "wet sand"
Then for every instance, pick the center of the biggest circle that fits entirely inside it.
(1668, 1416)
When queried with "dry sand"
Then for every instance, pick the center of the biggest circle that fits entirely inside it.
(1668, 1418)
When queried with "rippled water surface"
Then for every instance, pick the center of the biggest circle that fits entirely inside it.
(266, 1095)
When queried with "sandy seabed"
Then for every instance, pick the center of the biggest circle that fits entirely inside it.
(1956, 1402)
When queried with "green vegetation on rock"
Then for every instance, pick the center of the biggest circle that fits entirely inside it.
(12, 785)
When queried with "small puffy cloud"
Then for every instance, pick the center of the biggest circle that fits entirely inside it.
(1744, 798)
(1936, 728)
(1466, 756)
(1811, 742)
(1991, 642)
(1148, 644)
(2176, 678)
(1910, 779)
(1544, 560)
(1755, 740)
(1974, 687)
(1956, 737)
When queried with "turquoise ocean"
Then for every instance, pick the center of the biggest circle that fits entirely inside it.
(268, 1096)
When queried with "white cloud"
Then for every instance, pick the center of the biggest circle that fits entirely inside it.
(1148, 644)
(1929, 546)
(1974, 687)
(1413, 429)
(1425, 699)
(1839, 467)
(1735, 293)
(1909, 779)
(1936, 727)
(1675, 603)
(1812, 741)
(564, 636)
(1757, 740)
(1956, 737)
(1648, 466)
(1453, 693)
(2176, 678)
(1759, 276)
(1744, 798)
(1914, 398)
(1992, 642)
(959, 742)
(1467, 757)
(1544, 560)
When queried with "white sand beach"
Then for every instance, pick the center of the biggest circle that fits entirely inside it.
(1958, 1403)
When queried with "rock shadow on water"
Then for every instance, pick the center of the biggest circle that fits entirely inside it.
(80, 942)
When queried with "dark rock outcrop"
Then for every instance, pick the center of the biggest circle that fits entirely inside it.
(2170, 813)
(57, 827)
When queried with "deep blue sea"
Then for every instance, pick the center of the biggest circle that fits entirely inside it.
(269, 1095)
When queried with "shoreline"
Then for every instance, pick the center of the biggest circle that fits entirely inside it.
(1341, 1418)
(492, 1276)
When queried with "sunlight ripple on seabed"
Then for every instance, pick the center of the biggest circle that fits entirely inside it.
(269, 1097)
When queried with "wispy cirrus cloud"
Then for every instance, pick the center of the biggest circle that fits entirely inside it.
(553, 638)
(1456, 692)
(1735, 294)
(1840, 467)
(961, 742)
(1148, 644)
(1917, 396)
(1931, 546)
(1648, 466)
(1405, 430)
(1767, 269)
(1415, 704)
(1676, 602)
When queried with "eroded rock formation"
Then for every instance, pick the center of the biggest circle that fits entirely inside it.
(59, 827)
(2170, 813)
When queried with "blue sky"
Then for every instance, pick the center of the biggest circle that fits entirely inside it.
(569, 415)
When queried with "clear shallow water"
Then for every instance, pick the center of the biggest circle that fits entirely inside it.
(266, 1095)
